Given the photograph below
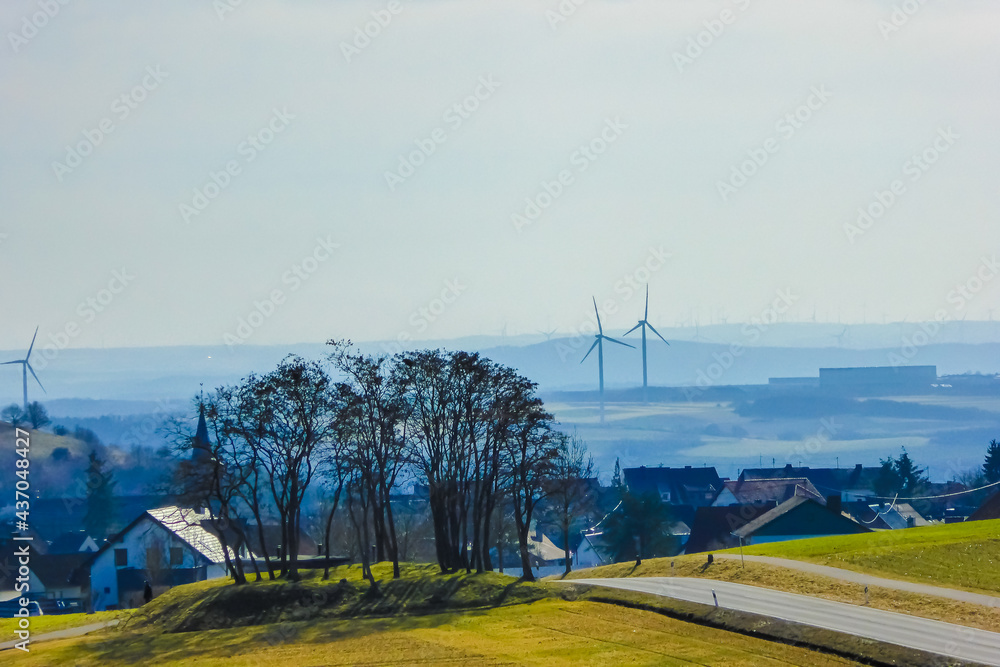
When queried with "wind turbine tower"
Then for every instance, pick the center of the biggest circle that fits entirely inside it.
(25, 367)
(599, 344)
(643, 323)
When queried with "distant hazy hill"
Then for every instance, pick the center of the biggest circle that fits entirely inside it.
(165, 378)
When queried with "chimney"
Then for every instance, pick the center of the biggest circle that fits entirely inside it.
(833, 504)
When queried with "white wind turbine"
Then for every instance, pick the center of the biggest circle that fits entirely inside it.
(599, 339)
(644, 322)
(25, 367)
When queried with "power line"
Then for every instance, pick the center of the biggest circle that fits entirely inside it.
(878, 514)
(943, 495)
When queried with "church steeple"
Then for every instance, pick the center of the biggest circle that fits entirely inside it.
(201, 447)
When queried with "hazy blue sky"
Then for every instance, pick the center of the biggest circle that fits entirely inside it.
(199, 81)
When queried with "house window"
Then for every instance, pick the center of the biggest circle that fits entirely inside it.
(176, 556)
(121, 557)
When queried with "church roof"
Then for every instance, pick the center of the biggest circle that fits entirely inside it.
(201, 446)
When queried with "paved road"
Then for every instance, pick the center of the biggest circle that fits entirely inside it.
(955, 641)
(58, 634)
(869, 580)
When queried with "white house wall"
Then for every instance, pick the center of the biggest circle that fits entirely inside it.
(144, 535)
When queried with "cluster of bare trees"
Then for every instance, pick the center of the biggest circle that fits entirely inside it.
(472, 432)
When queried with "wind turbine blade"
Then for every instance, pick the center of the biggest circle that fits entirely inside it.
(632, 329)
(646, 316)
(612, 340)
(19, 361)
(590, 350)
(32, 346)
(35, 376)
(657, 333)
(599, 329)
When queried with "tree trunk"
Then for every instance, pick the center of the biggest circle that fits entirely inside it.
(566, 553)
(326, 534)
(522, 544)
(391, 542)
(255, 507)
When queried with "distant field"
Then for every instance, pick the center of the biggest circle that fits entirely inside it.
(700, 432)
(958, 555)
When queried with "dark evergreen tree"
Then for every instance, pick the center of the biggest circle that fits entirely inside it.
(100, 498)
(616, 480)
(991, 468)
(640, 528)
(912, 479)
(900, 476)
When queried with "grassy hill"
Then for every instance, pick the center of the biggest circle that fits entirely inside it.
(43, 444)
(958, 555)
(965, 556)
(421, 590)
(428, 618)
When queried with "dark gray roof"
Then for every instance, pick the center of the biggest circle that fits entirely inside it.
(988, 510)
(68, 543)
(714, 526)
(828, 481)
(808, 512)
(687, 486)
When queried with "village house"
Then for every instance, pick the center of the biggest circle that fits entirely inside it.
(165, 547)
(799, 518)
(756, 491)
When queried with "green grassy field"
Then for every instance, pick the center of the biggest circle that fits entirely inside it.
(804, 583)
(428, 618)
(52, 623)
(549, 632)
(958, 555)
